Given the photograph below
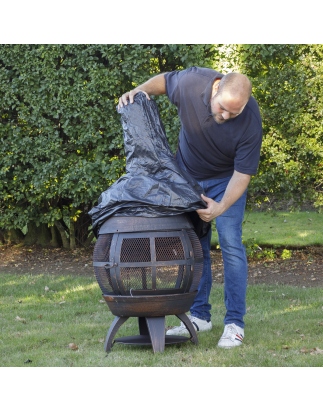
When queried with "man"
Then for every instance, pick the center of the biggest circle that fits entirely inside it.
(219, 144)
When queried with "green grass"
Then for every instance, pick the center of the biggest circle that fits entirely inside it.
(275, 313)
(301, 229)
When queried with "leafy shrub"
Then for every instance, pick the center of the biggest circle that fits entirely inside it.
(61, 137)
(287, 84)
(286, 254)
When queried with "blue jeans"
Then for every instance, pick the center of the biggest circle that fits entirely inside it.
(229, 227)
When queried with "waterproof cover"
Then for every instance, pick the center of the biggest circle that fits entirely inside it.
(154, 185)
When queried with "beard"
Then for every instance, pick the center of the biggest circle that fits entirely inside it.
(219, 119)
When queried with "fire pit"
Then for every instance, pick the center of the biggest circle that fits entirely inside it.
(148, 268)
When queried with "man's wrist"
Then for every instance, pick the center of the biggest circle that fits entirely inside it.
(222, 207)
(139, 88)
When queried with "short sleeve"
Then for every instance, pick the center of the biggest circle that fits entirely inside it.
(248, 154)
(171, 83)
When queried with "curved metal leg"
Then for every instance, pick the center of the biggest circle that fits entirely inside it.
(189, 326)
(117, 323)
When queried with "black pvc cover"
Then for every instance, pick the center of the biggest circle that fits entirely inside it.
(154, 185)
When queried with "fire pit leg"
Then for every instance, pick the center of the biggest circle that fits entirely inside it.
(117, 323)
(156, 328)
(143, 330)
(189, 326)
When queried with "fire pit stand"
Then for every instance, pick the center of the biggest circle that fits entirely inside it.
(151, 327)
(148, 268)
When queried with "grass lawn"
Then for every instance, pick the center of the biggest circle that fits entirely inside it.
(301, 229)
(70, 312)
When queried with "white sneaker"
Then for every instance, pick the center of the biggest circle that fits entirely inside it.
(199, 325)
(232, 336)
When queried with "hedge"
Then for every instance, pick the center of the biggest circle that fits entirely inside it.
(61, 137)
(288, 84)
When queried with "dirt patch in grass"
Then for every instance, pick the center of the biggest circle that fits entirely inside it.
(36, 260)
(305, 268)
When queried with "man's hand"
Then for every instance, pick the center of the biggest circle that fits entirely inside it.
(212, 211)
(129, 95)
(236, 187)
(154, 86)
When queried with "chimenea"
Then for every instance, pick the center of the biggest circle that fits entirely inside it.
(148, 268)
(148, 259)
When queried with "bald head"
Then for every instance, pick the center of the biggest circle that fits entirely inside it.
(237, 85)
(230, 96)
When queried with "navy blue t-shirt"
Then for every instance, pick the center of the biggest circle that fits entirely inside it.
(208, 149)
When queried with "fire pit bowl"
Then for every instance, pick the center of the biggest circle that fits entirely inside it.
(148, 268)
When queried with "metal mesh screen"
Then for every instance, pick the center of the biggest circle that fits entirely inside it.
(169, 249)
(135, 250)
(101, 254)
(137, 278)
(198, 253)
(169, 276)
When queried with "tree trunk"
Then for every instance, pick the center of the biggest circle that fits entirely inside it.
(44, 235)
(72, 229)
(56, 240)
(72, 234)
(40, 235)
(13, 236)
(31, 236)
(2, 237)
(61, 230)
(89, 240)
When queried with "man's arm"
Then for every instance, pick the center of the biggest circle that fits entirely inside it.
(154, 86)
(236, 187)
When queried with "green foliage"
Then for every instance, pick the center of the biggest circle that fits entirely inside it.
(287, 84)
(61, 137)
(251, 247)
(253, 250)
(269, 254)
(286, 254)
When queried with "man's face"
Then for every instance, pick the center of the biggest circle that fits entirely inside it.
(225, 107)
